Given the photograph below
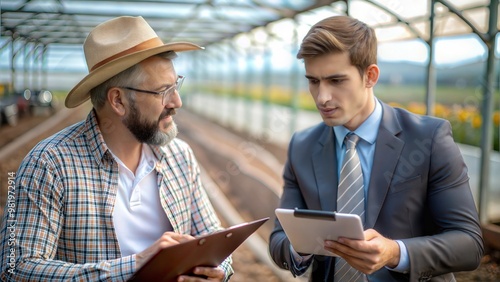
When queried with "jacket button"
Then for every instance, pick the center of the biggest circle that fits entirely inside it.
(425, 277)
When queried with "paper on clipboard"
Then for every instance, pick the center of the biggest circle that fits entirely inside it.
(208, 250)
(308, 229)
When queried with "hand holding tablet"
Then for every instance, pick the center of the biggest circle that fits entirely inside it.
(307, 230)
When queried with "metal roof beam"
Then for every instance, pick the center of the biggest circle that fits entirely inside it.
(483, 36)
(227, 21)
(398, 18)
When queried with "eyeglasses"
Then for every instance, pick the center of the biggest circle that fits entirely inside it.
(167, 93)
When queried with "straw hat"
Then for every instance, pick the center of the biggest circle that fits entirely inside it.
(114, 46)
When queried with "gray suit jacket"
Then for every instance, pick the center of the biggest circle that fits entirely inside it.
(419, 193)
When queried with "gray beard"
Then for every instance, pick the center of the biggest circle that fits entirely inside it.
(163, 138)
(149, 132)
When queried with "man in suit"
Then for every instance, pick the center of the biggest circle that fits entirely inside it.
(419, 215)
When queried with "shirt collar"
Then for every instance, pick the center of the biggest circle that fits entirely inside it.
(147, 163)
(95, 139)
(365, 130)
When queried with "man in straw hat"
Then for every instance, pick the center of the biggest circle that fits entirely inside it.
(95, 201)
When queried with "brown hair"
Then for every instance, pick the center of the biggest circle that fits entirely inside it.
(341, 34)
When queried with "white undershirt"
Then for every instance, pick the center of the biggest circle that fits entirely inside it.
(138, 217)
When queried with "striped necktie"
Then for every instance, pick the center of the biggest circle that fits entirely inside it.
(350, 199)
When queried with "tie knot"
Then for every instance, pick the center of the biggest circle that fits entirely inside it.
(351, 140)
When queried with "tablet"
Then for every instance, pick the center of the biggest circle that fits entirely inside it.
(207, 250)
(308, 229)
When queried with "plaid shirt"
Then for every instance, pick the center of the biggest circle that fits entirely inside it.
(65, 192)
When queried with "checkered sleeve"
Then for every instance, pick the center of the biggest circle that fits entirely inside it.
(204, 217)
(37, 252)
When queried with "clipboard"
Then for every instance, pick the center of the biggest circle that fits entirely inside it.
(308, 229)
(207, 250)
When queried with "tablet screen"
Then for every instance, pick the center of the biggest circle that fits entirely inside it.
(308, 229)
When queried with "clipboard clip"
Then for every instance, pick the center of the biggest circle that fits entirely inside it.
(314, 214)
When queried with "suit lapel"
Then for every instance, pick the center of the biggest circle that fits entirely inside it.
(325, 170)
(387, 152)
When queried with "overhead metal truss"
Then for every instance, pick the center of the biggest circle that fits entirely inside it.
(202, 22)
(209, 21)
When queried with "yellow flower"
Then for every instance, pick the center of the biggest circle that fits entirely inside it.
(442, 111)
(476, 121)
(395, 105)
(463, 115)
(496, 118)
(417, 108)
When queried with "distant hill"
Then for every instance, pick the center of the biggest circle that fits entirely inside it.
(398, 73)
(464, 75)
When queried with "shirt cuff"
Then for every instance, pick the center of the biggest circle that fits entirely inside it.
(404, 261)
(300, 262)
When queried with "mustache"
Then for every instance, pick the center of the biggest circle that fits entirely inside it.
(168, 112)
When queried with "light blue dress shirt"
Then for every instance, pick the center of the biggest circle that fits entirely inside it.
(367, 132)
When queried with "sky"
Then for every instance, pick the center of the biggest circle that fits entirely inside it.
(450, 51)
